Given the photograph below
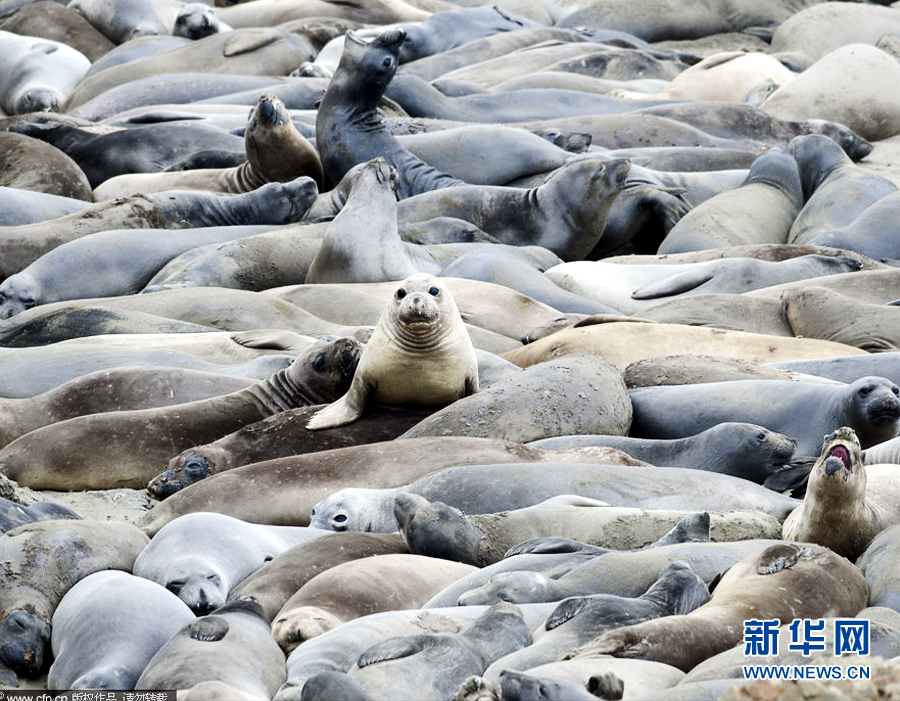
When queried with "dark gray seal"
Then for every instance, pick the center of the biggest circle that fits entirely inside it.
(348, 128)
(826, 170)
(433, 666)
(804, 411)
(575, 621)
(732, 448)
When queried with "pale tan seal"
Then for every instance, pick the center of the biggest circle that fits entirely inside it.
(419, 353)
(839, 511)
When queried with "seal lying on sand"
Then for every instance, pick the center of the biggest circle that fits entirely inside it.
(419, 353)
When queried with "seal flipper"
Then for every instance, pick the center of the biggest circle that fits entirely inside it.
(567, 610)
(279, 339)
(209, 629)
(552, 545)
(777, 557)
(344, 411)
(673, 285)
(395, 649)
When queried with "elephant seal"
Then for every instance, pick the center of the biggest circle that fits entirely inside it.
(14, 514)
(42, 561)
(478, 489)
(433, 666)
(839, 511)
(281, 435)
(869, 233)
(286, 489)
(761, 210)
(280, 578)
(200, 557)
(344, 592)
(838, 88)
(580, 394)
(197, 20)
(44, 459)
(677, 590)
(114, 389)
(58, 174)
(231, 645)
(824, 171)
(625, 342)
(420, 335)
(57, 22)
(107, 263)
(38, 74)
(121, 20)
(362, 243)
(438, 530)
(273, 203)
(783, 581)
(820, 312)
(108, 626)
(275, 150)
(732, 448)
(348, 128)
(567, 214)
(871, 406)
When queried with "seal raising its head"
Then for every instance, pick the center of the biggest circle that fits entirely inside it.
(419, 353)
(835, 511)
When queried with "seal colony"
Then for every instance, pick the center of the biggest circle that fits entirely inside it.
(440, 271)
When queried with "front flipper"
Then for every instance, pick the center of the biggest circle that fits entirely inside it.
(344, 411)
(673, 285)
(395, 649)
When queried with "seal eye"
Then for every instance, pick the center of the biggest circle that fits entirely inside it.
(864, 392)
(401, 293)
(434, 291)
(320, 364)
(387, 62)
(895, 390)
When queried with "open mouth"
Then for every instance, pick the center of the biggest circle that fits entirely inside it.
(841, 453)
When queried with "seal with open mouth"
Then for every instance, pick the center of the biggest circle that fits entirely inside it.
(838, 511)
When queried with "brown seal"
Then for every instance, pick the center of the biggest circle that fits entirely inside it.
(839, 511)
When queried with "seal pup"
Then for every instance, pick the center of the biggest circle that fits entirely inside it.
(348, 127)
(200, 557)
(344, 592)
(432, 666)
(108, 626)
(107, 456)
(839, 511)
(231, 645)
(783, 581)
(419, 353)
(276, 152)
(42, 561)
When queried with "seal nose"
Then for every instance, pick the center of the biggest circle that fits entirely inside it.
(266, 110)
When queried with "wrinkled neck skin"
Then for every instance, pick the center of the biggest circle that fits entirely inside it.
(415, 338)
(278, 393)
